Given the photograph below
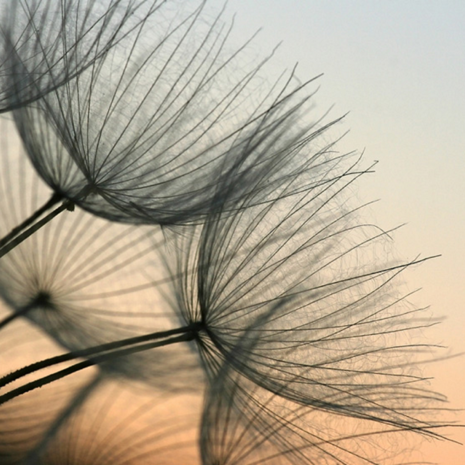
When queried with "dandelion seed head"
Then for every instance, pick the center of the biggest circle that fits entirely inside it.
(44, 44)
(82, 279)
(157, 124)
(297, 274)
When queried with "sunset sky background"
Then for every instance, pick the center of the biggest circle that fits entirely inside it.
(399, 69)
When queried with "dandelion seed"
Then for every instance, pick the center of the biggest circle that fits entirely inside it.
(335, 333)
(149, 132)
(45, 44)
(301, 277)
(246, 424)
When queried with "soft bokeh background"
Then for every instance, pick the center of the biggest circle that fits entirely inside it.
(399, 68)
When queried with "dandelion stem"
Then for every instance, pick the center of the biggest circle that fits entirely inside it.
(190, 331)
(15, 315)
(189, 336)
(54, 199)
(18, 238)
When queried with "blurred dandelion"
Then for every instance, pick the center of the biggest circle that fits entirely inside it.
(45, 43)
(123, 423)
(79, 421)
(81, 279)
(25, 420)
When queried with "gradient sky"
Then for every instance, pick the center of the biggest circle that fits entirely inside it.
(399, 69)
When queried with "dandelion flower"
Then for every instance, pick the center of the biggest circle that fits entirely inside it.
(332, 328)
(149, 132)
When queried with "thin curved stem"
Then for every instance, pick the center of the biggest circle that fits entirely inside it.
(91, 362)
(66, 205)
(98, 351)
(15, 315)
(54, 199)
